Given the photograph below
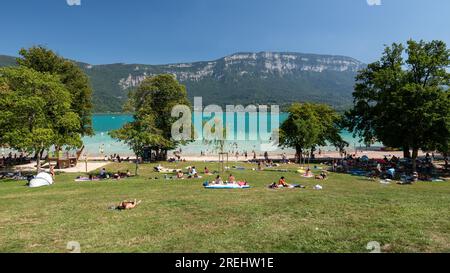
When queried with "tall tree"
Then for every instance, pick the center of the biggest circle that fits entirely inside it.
(309, 126)
(35, 112)
(152, 104)
(404, 103)
(138, 135)
(74, 79)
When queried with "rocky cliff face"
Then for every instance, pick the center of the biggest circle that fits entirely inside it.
(242, 78)
(260, 65)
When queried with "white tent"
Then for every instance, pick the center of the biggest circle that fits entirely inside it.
(42, 179)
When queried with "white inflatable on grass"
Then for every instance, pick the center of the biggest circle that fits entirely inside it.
(42, 179)
(227, 186)
(318, 187)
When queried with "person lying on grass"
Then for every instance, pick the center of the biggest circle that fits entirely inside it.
(322, 176)
(119, 175)
(282, 184)
(125, 205)
(180, 175)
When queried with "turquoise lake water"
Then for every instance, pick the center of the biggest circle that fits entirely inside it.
(102, 142)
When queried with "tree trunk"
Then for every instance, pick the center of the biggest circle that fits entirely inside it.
(137, 166)
(299, 152)
(414, 158)
(38, 160)
(406, 152)
(57, 157)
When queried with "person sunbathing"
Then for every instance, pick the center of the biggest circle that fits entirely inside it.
(125, 205)
(192, 173)
(322, 176)
(308, 173)
(218, 180)
(103, 174)
(180, 175)
(231, 179)
(242, 183)
(282, 182)
(207, 172)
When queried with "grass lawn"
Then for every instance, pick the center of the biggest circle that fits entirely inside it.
(181, 216)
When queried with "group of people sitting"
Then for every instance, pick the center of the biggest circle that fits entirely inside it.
(105, 175)
(309, 174)
(191, 174)
(231, 180)
(118, 175)
(266, 164)
(116, 158)
(12, 160)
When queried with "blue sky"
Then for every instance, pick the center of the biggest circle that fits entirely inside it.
(168, 31)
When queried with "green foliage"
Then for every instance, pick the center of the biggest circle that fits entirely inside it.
(242, 82)
(310, 125)
(35, 111)
(404, 103)
(73, 78)
(152, 104)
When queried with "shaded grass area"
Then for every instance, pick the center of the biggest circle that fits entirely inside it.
(181, 216)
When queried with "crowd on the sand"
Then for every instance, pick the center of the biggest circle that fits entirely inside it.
(13, 159)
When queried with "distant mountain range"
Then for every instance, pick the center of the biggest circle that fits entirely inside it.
(241, 78)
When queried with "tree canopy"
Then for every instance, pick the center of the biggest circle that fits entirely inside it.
(35, 112)
(310, 125)
(152, 104)
(71, 76)
(404, 102)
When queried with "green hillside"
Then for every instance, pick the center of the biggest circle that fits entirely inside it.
(241, 78)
